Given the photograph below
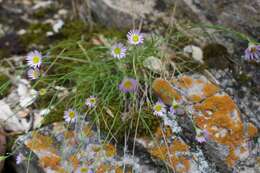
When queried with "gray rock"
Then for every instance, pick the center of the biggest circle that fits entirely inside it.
(245, 96)
(14, 113)
(58, 148)
(208, 108)
(121, 13)
(2, 148)
(240, 15)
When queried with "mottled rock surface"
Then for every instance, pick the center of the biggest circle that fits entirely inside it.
(14, 112)
(230, 145)
(242, 15)
(58, 148)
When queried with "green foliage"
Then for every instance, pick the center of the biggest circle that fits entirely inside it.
(36, 35)
(78, 30)
(5, 85)
(45, 12)
(87, 69)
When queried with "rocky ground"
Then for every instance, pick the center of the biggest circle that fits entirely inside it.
(216, 91)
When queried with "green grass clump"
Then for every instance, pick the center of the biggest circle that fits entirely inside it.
(86, 69)
(5, 85)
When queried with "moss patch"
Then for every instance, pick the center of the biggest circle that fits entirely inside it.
(76, 30)
(36, 35)
(55, 115)
(45, 12)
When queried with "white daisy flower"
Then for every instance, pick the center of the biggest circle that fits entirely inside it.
(19, 158)
(135, 37)
(118, 51)
(70, 115)
(201, 135)
(159, 109)
(91, 101)
(34, 59)
(33, 73)
(82, 169)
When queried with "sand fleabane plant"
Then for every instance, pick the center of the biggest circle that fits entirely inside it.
(174, 107)
(19, 158)
(128, 85)
(70, 115)
(91, 101)
(135, 37)
(114, 81)
(252, 53)
(33, 73)
(118, 51)
(84, 169)
(34, 59)
(201, 135)
(159, 109)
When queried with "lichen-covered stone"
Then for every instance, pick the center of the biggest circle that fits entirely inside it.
(61, 149)
(178, 156)
(214, 111)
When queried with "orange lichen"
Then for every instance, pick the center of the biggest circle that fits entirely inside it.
(164, 90)
(40, 142)
(74, 161)
(221, 125)
(231, 158)
(103, 168)
(217, 103)
(52, 161)
(200, 121)
(199, 81)
(185, 82)
(87, 130)
(159, 152)
(251, 130)
(61, 170)
(169, 154)
(258, 160)
(160, 133)
(195, 98)
(180, 164)
(209, 89)
(69, 134)
(177, 146)
(119, 170)
(110, 150)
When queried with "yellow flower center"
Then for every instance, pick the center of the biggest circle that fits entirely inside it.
(135, 38)
(253, 49)
(128, 84)
(92, 100)
(158, 108)
(83, 170)
(43, 91)
(36, 59)
(72, 114)
(117, 51)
